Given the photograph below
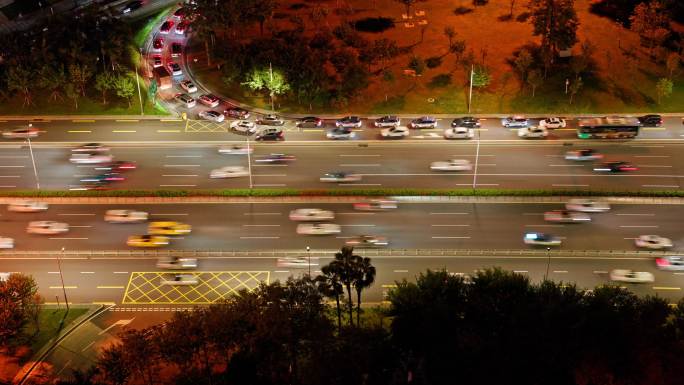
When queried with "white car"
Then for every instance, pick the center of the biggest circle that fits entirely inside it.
(236, 149)
(387, 121)
(552, 123)
(6, 243)
(27, 206)
(653, 242)
(297, 262)
(229, 172)
(394, 132)
(587, 205)
(340, 133)
(188, 86)
(318, 228)
(21, 133)
(541, 239)
(243, 126)
(532, 132)
(452, 165)
(624, 275)
(212, 115)
(47, 227)
(311, 215)
(671, 262)
(80, 158)
(340, 177)
(179, 280)
(583, 154)
(125, 216)
(459, 133)
(175, 263)
(566, 216)
(515, 121)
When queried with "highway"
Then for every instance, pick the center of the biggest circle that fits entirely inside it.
(510, 165)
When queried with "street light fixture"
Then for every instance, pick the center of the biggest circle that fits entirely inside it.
(61, 277)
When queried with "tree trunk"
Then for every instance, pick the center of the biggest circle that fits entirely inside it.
(350, 305)
(339, 313)
(104, 96)
(510, 14)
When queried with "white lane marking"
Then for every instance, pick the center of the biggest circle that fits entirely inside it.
(569, 185)
(87, 272)
(122, 322)
(261, 225)
(639, 226)
(600, 272)
(120, 272)
(183, 156)
(544, 225)
(177, 185)
(75, 239)
(450, 225)
(269, 165)
(353, 155)
(281, 271)
(566, 165)
(449, 213)
(652, 166)
(10, 176)
(53, 272)
(651, 156)
(81, 226)
(481, 155)
(401, 271)
(181, 165)
(487, 164)
(358, 225)
(678, 273)
(7, 186)
(167, 214)
(479, 184)
(270, 185)
(87, 346)
(630, 238)
(614, 175)
(360, 165)
(74, 214)
(643, 215)
(259, 237)
(660, 185)
(560, 271)
(650, 146)
(556, 156)
(269, 174)
(450, 237)
(520, 271)
(176, 175)
(344, 237)
(12, 166)
(359, 184)
(261, 214)
(13, 156)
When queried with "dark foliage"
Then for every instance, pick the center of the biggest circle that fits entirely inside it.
(374, 24)
(621, 10)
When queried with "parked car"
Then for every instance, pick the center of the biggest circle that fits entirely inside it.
(515, 122)
(188, 86)
(174, 69)
(349, 122)
(387, 121)
(271, 120)
(270, 133)
(166, 27)
(237, 113)
(532, 132)
(424, 122)
(551, 123)
(212, 115)
(310, 122)
(340, 133)
(396, 132)
(209, 100)
(459, 132)
(243, 126)
(466, 121)
(185, 100)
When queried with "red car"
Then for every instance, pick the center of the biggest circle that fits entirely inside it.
(166, 27)
(158, 44)
(615, 167)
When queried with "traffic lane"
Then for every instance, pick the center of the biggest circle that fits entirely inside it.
(242, 226)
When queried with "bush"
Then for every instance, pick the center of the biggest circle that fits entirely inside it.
(433, 62)
(298, 6)
(462, 10)
(522, 18)
(441, 80)
(374, 24)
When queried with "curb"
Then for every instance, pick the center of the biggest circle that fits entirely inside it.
(25, 372)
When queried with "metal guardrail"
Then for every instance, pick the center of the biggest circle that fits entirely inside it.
(382, 253)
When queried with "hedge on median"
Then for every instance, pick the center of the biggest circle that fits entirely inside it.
(338, 192)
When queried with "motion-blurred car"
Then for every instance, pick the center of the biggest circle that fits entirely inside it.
(583, 154)
(6, 243)
(104, 177)
(340, 133)
(94, 158)
(310, 122)
(179, 280)
(297, 262)
(362, 241)
(91, 148)
(275, 158)
(651, 120)
(47, 227)
(229, 172)
(349, 122)
(180, 13)
(27, 206)
(188, 86)
(376, 205)
(209, 100)
(424, 122)
(311, 215)
(237, 113)
(147, 240)
(93, 186)
(270, 133)
(168, 228)
(515, 122)
(566, 216)
(394, 132)
(271, 120)
(617, 166)
(118, 166)
(532, 132)
(243, 126)
(541, 239)
(235, 149)
(653, 242)
(318, 228)
(629, 276)
(387, 121)
(587, 205)
(459, 132)
(157, 61)
(125, 216)
(181, 27)
(466, 121)
(175, 263)
(552, 123)
(176, 49)
(166, 27)
(212, 116)
(21, 133)
(452, 165)
(340, 177)
(670, 262)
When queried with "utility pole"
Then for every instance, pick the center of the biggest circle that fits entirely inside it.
(33, 160)
(548, 262)
(308, 253)
(470, 93)
(270, 92)
(137, 80)
(61, 277)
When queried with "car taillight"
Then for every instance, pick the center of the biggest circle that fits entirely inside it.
(661, 262)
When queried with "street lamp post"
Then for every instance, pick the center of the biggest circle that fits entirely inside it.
(33, 160)
(61, 277)
(308, 253)
(470, 93)
(548, 262)
(137, 80)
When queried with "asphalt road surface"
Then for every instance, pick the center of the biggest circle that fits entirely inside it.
(511, 165)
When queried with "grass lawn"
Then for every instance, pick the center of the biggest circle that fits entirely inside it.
(49, 320)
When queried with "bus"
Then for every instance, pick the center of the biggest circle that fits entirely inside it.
(612, 127)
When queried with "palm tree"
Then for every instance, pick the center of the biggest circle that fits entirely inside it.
(344, 265)
(364, 278)
(330, 286)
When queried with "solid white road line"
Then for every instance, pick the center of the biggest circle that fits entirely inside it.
(269, 165)
(182, 165)
(566, 165)
(478, 184)
(359, 184)
(357, 155)
(269, 174)
(569, 185)
(358, 225)
(652, 166)
(281, 271)
(560, 271)
(359, 164)
(643, 215)
(544, 225)
(401, 271)
(450, 225)
(356, 213)
(12, 166)
(87, 272)
(120, 272)
(168, 214)
(600, 272)
(520, 271)
(660, 185)
(75, 239)
(270, 185)
(651, 156)
(183, 156)
(81, 226)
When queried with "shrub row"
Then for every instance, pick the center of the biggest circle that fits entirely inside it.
(340, 192)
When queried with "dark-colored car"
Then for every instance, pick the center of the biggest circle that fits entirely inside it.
(466, 121)
(310, 122)
(180, 13)
(651, 120)
(166, 26)
(132, 6)
(176, 50)
(387, 121)
(118, 166)
(615, 166)
(271, 120)
(270, 134)
(237, 113)
(276, 158)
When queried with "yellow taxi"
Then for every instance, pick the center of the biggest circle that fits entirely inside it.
(147, 241)
(168, 228)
